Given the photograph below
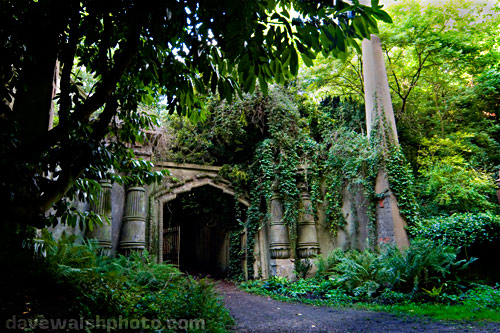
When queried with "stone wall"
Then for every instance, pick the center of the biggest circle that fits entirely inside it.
(138, 224)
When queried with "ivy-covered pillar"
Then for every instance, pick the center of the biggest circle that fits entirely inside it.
(307, 239)
(279, 245)
(133, 236)
(380, 121)
(102, 207)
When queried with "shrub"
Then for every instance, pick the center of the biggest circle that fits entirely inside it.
(358, 273)
(461, 230)
(482, 297)
(453, 178)
(301, 267)
(424, 264)
(426, 270)
(364, 275)
(133, 287)
(276, 284)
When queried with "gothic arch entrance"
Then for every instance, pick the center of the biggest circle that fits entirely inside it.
(197, 228)
(197, 244)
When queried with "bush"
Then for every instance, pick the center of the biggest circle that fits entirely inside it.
(476, 235)
(453, 178)
(301, 267)
(425, 271)
(461, 230)
(424, 265)
(364, 275)
(482, 297)
(132, 287)
(276, 284)
(358, 273)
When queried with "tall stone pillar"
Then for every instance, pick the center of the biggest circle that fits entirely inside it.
(279, 245)
(307, 239)
(133, 236)
(103, 208)
(380, 117)
(378, 103)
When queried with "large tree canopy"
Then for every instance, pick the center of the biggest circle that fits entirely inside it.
(443, 70)
(135, 52)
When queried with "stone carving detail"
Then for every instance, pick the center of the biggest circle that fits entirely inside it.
(133, 237)
(307, 239)
(103, 208)
(279, 245)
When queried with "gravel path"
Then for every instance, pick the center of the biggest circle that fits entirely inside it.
(254, 313)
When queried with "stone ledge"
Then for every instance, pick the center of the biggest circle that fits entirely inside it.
(186, 166)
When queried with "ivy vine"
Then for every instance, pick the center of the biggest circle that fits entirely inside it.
(264, 140)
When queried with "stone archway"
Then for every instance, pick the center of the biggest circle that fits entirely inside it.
(183, 178)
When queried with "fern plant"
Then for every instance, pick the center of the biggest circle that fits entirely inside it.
(424, 265)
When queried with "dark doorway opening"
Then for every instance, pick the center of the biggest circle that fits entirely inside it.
(197, 227)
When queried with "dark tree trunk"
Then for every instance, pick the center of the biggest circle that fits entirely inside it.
(33, 100)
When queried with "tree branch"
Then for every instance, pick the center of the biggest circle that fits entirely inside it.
(124, 58)
(67, 62)
(55, 191)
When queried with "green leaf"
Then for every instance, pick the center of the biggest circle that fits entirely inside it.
(294, 61)
(249, 84)
(307, 60)
(213, 82)
(383, 16)
(263, 86)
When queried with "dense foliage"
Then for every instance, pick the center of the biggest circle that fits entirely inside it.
(426, 272)
(442, 63)
(229, 67)
(67, 280)
(438, 268)
(74, 73)
(461, 230)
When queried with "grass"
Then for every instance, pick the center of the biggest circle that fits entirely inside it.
(442, 311)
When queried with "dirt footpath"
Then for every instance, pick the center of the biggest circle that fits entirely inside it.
(254, 313)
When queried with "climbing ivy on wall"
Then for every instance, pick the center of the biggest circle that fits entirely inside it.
(403, 184)
(265, 140)
(352, 164)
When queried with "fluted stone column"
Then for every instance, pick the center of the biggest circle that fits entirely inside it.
(279, 245)
(307, 239)
(103, 208)
(133, 236)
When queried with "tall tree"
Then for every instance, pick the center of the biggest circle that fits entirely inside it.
(135, 52)
(441, 63)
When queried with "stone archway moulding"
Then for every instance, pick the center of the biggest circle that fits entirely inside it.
(183, 178)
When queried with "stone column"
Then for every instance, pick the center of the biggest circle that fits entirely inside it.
(133, 236)
(279, 245)
(378, 103)
(380, 117)
(307, 239)
(103, 208)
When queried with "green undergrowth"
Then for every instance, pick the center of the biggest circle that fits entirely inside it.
(435, 311)
(71, 281)
(425, 279)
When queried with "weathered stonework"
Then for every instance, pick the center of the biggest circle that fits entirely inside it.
(133, 237)
(102, 234)
(390, 223)
(380, 116)
(359, 232)
(307, 239)
(279, 243)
